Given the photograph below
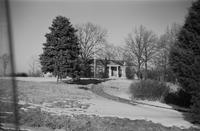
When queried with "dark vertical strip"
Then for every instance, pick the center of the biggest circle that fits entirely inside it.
(10, 43)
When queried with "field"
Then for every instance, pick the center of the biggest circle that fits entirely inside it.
(45, 104)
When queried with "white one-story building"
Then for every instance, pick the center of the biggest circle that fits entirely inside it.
(114, 68)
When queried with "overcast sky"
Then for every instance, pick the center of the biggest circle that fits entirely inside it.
(31, 19)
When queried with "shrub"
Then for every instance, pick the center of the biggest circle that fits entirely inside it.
(156, 74)
(37, 73)
(153, 74)
(180, 98)
(19, 74)
(170, 76)
(196, 108)
(130, 72)
(149, 89)
(86, 70)
(100, 75)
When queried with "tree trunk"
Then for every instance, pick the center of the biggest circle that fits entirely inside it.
(4, 69)
(105, 68)
(4, 72)
(94, 67)
(165, 69)
(138, 71)
(61, 77)
(58, 79)
(145, 73)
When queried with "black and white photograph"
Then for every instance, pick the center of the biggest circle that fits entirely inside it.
(99, 65)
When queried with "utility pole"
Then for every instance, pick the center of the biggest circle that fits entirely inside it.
(14, 84)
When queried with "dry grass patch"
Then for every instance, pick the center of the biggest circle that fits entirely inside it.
(38, 93)
(37, 118)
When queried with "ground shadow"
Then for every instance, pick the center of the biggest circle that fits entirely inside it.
(85, 81)
(181, 101)
(187, 113)
(189, 116)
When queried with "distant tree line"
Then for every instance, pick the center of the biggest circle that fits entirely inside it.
(4, 60)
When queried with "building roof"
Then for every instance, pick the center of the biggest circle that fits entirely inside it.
(116, 62)
(110, 62)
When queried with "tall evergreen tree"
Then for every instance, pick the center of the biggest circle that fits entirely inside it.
(61, 50)
(185, 57)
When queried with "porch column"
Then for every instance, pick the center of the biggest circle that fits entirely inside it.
(117, 71)
(124, 71)
(109, 71)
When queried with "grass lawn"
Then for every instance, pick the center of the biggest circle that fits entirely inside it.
(40, 92)
(73, 106)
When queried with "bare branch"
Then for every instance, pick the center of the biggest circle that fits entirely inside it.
(91, 38)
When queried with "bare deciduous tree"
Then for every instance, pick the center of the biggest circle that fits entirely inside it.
(150, 48)
(165, 42)
(111, 52)
(5, 58)
(135, 47)
(35, 66)
(140, 47)
(91, 38)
